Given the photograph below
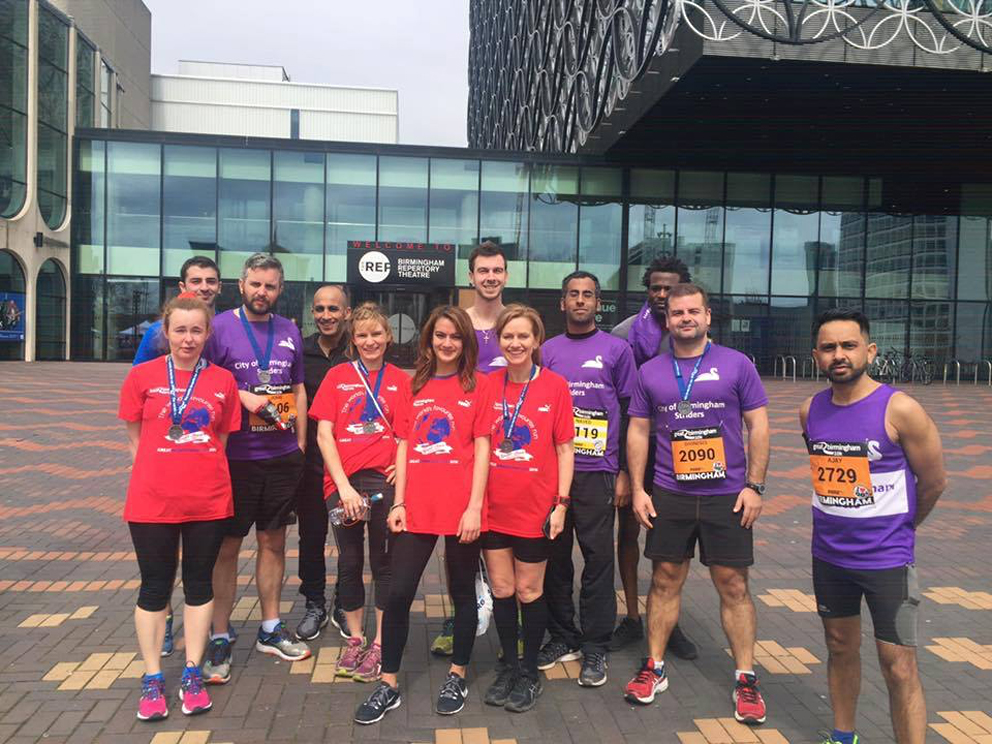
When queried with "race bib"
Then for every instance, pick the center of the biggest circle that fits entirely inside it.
(591, 430)
(284, 400)
(840, 473)
(698, 454)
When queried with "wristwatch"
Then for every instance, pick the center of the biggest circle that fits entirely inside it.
(563, 501)
(758, 488)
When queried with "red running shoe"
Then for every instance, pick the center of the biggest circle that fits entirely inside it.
(649, 681)
(749, 706)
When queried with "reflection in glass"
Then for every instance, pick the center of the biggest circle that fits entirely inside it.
(298, 205)
(841, 253)
(975, 254)
(930, 329)
(50, 313)
(973, 336)
(650, 220)
(88, 308)
(935, 243)
(742, 323)
(402, 199)
(53, 111)
(106, 94)
(11, 280)
(189, 205)
(747, 234)
(601, 224)
(890, 251)
(88, 217)
(85, 82)
(699, 243)
(350, 208)
(504, 215)
(454, 215)
(791, 324)
(132, 306)
(244, 192)
(133, 208)
(553, 224)
(889, 322)
(13, 105)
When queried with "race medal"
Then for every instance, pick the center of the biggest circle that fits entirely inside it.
(368, 427)
(178, 407)
(264, 375)
(175, 432)
(684, 407)
(841, 474)
(506, 446)
(698, 454)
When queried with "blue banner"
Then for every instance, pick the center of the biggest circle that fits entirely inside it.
(11, 316)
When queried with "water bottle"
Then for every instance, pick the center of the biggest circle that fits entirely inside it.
(337, 515)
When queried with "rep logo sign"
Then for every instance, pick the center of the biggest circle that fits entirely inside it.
(374, 267)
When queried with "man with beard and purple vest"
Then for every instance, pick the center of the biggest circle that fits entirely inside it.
(877, 468)
(647, 334)
(601, 374)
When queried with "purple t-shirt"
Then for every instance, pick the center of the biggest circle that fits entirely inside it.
(230, 348)
(600, 371)
(490, 356)
(727, 385)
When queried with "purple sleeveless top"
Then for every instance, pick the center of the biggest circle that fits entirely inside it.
(490, 357)
(877, 530)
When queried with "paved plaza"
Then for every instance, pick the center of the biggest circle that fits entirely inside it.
(69, 671)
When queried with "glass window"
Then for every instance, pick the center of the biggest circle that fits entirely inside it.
(601, 224)
(503, 207)
(553, 225)
(935, 245)
(454, 214)
(189, 205)
(350, 208)
(889, 321)
(930, 329)
(298, 214)
(790, 326)
(650, 221)
(12, 283)
(795, 235)
(742, 323)
(402, 199)
(699, 233)
(133, 218)
(85, 82)
(132, 306)
(975, 254)
(973, 333)
(88, 308)
(107, 85)
(53, 108)
(243, 217)
(747, 234)
(88, 201)
(13, 105)
(890, 251)
(50, 313)
(841, 253)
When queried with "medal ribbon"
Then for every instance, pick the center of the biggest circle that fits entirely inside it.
(263, 362)
(686, 388)
(371, 396)
(507, 421)
(179, 406)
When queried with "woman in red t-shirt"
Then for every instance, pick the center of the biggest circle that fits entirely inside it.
(530, 474)
(441, 467)
(179, 411)
(358, 409)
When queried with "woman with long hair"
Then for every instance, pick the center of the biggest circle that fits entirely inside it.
(441, 469)
(179, 411)
(530, 474)
(358, 409)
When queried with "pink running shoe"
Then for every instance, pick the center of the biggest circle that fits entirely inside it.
(152, 706)
(371, 667)
(192, 691)
(351, 658)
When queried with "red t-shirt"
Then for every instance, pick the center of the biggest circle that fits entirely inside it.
(341, 400)
(441, 429)
(185, 480)
(523, 483)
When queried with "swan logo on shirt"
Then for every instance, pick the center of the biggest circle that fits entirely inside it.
(874, 451)
(596, 363)
(712, 376)
(498, 362)
(193, 423)
(431, 430)
(288, 343)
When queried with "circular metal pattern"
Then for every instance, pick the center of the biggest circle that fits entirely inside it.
(544, 73)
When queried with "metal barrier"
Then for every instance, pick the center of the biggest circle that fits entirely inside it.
(785, 367)
(809, 364)
(988, 369)
(957, 368)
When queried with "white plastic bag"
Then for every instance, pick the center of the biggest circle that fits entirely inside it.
(483, 600)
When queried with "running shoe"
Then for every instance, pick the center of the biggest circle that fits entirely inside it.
(192, 691)
(627, 632)
(593, 672)
(648, 682)
(444, 644)
(370, 668)
(451, 696)
(152, 706)
(217, 667)
(680, 645)
(382, 700)
(339, 621)
(499, 691)
(554, 651)
(168, 643)
(314, 620)
(526, 690)
(749, 706)
(351, 658)
(278, 643)
(828, 738)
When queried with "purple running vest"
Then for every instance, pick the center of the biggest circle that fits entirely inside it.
(877, 532)
(490, 356)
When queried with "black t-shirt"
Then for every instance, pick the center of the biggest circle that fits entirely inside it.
(315, 367)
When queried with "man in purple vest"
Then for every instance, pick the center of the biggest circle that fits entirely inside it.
(877, 469)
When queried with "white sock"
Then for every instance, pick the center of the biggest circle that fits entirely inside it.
(659, 665)
(215, 636)
(269, 626)
(739, 672)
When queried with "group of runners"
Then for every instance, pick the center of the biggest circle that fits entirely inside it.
(511, 448)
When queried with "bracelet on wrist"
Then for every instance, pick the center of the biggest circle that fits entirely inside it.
(395, 506)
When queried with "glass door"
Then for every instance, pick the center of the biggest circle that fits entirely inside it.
(407, 312)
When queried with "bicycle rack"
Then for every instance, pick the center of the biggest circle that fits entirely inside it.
(988, 369)
(785, 366)
(915, 366)
(754, 360)
(809, 364)
(957, 368)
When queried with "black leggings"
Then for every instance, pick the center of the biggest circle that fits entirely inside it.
(409, 553)
(157, 548)
(351, 546)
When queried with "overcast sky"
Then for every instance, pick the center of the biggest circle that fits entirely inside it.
(418, 48)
